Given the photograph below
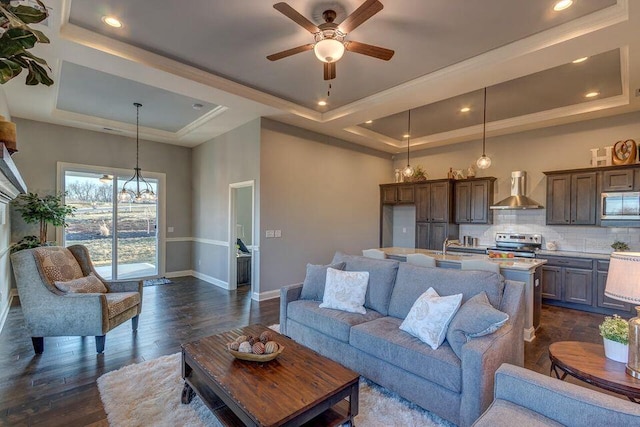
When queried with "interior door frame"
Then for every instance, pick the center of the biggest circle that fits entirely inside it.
(62, 167)
(232, 268)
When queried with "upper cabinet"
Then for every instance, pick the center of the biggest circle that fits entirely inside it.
(572, 198)
(433, 201)
(618, 180)
(392, 194)
(473, 197)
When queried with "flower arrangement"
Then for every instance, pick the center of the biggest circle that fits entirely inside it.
(615, 329)
(620, 246)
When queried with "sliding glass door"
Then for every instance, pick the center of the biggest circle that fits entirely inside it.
(122, 238)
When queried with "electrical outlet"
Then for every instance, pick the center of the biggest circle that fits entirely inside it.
(278, 233)
(269, 234)
(404, 229)
(169, 229)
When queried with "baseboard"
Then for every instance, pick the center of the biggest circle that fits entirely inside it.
(529, 334)
(172, 274)
(263, 296)
(5, 310)
(212, 280)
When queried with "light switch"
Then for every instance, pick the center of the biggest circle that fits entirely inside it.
(169, 229)
(278, 233)
(269, 233)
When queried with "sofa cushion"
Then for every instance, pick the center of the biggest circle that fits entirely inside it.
(506, 414)
(314, 281)
(429, 317)
(87, 285)
(345, 290)
(383, 339)
(382, 276)
(119, 302)
(412, 281)
(476, 318)
(334, 323)
(57, 264)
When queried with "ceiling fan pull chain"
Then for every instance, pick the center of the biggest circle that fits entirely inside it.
(329, 91)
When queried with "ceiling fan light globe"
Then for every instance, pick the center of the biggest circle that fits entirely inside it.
(483, 162)
(329, 50)
(124, 196)
(407, 171)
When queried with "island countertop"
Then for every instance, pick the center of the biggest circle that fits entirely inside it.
(505, 263)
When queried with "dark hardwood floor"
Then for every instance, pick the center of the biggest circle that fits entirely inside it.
(58, 388)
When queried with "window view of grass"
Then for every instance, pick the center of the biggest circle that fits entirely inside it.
(93, 226)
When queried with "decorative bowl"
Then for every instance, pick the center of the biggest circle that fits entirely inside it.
(251, 357)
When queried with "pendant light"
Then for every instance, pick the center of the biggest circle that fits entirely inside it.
(146, 195)
(483, 161)
(408, 171)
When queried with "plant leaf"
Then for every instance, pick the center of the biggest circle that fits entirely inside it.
(8, 70)
(40, 36)
(28, 14)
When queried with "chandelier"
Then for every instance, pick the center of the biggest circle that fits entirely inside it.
(126, 195)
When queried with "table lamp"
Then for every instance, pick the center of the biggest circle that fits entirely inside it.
(623, 283)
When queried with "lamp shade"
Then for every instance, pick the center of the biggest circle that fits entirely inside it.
(329, 50)
(623, 279)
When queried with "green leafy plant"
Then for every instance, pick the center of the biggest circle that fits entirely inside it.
(44, 210)
(620, 246)
(17, 37)
(615, 329)
(419, 174)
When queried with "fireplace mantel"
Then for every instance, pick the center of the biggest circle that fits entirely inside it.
(11, 183)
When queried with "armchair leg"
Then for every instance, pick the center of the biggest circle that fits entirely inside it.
(100, 339)
(38, 344)
(134, 323)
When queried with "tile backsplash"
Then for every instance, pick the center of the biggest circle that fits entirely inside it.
(567, 238)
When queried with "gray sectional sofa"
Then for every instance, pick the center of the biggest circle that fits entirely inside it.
(457, 389)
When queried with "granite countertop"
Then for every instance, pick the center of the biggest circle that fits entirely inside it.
(542, 253)
(505, 263)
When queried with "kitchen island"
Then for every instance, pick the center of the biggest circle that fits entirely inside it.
(526, 270)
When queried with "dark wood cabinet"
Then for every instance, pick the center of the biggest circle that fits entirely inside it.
(423, 202)
(244, 270)
(578, 286)
(551, 282)
(431, 235)
(572, 198)
(618, 180)
(433, 201)
(397, 194)
(601, 282)
(472, 201)
(568, 280)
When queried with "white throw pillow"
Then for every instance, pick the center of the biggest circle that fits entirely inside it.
(345, 290)
(430, 316)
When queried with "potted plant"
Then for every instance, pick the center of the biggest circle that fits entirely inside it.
(15, 40)
(615, 333)
(620, 246)
(44, 210)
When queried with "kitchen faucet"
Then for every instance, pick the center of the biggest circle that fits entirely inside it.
(447, 242)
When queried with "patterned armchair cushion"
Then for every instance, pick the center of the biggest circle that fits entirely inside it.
(84, 285)
(119, 302)
(57, 264)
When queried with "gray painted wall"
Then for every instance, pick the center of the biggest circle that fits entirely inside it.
(42, 145)
(226, 159)
(243, 214)
(323, 195)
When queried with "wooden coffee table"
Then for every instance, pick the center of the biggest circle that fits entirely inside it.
(587, 362)
(298, 387)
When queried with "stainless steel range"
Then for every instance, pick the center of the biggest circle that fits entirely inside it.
(516, 245)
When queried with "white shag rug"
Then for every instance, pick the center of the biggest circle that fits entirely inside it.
(148, 394)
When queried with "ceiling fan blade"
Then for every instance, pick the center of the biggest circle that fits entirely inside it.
(329, 70)
(369, 50)
(360, 15)
(296, 17)
(289, 52)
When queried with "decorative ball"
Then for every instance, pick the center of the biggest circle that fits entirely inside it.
(251, 340)
(265, 337)
(270, 347)
(244, 347)
(234, 346)
(258, 348)
(241, 338)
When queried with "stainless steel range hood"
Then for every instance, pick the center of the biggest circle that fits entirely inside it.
(517, 200)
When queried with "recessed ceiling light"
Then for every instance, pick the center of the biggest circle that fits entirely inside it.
(562, 5)
(406, 135)
(369, 122)
(465, 109)
(322, 103)
(112, 21)
(592, 94)
(197, 106)
(579, 60)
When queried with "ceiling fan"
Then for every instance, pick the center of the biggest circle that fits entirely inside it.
(329, 37)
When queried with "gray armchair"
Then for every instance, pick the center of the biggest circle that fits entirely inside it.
(50, 312)
(526, 398)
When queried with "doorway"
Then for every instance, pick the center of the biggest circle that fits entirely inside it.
(242, 248)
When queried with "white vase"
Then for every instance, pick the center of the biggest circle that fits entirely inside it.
(616, 351)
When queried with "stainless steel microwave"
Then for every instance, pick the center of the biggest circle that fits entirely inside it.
(620, 206)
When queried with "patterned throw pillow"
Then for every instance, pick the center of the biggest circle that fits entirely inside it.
(84, 285)
(429, 317)
(345, 290)
(58, 264)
